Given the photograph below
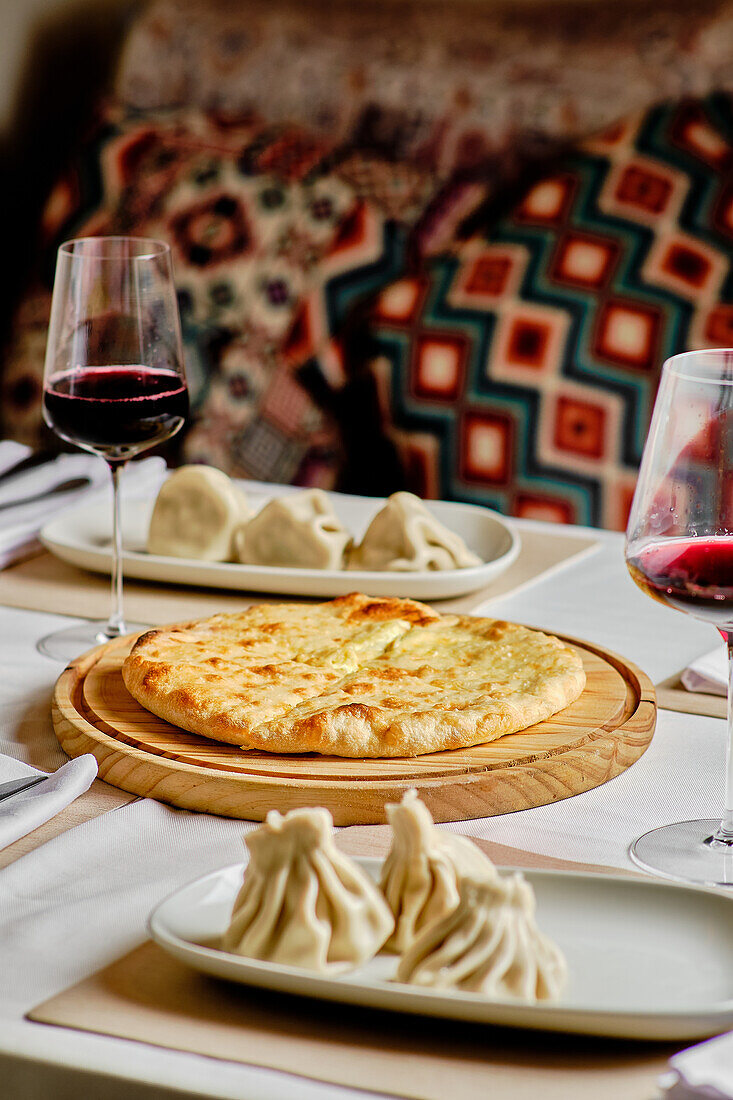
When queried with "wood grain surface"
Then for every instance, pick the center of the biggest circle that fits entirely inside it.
(594, 739)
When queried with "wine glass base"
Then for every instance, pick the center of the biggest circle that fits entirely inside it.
(64, 645)
(683, 852)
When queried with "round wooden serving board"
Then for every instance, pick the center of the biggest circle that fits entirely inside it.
(589, 742)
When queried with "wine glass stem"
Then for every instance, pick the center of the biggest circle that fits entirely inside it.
(116, 624)
(724, 832)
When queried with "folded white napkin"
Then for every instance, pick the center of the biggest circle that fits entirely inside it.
(704, 1072)
(19, 527)
(708, 673)
(22, 813)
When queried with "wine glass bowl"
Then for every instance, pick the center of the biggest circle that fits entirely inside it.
(679, 551)
(115, 411)
(114, 381)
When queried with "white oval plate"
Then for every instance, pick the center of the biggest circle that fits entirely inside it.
(647, 959)
(82, 536)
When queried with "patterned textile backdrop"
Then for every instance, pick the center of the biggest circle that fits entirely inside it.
(257, 218)
(521, 372)
(441, 85)
(470, 91)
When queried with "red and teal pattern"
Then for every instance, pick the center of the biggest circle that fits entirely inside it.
(520, 372)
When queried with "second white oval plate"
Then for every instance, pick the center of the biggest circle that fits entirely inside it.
(82, 536)
(646, 959)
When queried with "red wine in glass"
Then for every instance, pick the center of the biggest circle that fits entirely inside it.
(679, 551)
(116, 411)
(114, 382)
(692, 574)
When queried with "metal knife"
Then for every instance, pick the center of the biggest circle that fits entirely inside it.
(70, 485)
(15, 786)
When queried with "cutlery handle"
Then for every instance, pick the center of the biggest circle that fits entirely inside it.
(56, 490)
(15, 786)
(38, 458)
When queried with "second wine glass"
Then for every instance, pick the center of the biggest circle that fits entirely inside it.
(679, 550)
(114, 381)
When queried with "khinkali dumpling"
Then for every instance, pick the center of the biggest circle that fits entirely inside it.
(489, 944)
(302, 902)
(195, 515)
(300, 530)
(420, 875)
(405, 536)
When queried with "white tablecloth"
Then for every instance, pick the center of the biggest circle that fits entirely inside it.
(57, 926)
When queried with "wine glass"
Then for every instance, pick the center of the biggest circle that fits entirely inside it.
(679, 550)
(114, 382)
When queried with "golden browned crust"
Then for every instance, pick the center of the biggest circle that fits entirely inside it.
(357, 677)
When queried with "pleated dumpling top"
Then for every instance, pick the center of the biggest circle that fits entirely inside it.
(489, 944)
(420, 874)
(300, 530)
(406, 537)
(303, 902)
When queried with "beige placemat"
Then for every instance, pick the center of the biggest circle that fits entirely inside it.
(673, 695)
(149, 997)
(44, 583)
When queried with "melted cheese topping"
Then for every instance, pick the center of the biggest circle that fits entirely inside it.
(353, 677)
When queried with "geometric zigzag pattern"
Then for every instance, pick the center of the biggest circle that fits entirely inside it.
(521, 371)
